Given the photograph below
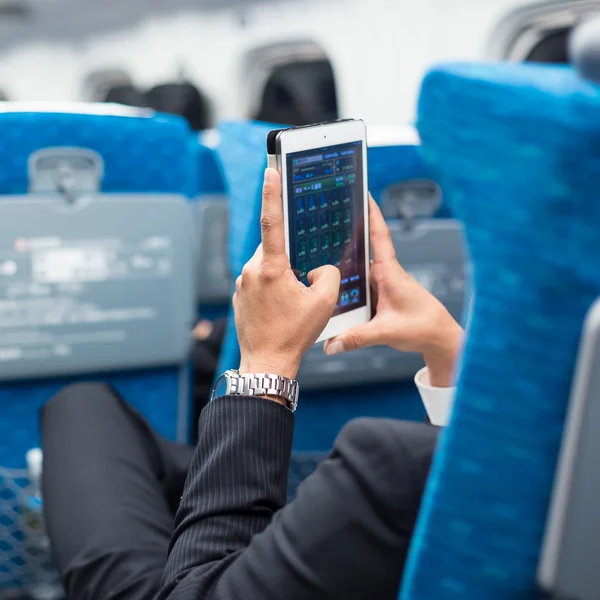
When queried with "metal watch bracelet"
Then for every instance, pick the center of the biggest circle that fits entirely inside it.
(262, 384)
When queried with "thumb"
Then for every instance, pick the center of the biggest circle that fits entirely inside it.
(361, 336)
(325, 282)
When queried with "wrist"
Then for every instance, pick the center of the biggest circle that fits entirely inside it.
(282, 368)
(442, 354)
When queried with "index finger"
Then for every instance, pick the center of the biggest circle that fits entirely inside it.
(382, 246)
(271, 220)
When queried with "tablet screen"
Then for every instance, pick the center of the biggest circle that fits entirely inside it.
(326, 217)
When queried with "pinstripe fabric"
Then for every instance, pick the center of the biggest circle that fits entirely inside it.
(237, 481)
(345, 536)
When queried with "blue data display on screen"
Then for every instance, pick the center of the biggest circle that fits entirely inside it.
(326, 217)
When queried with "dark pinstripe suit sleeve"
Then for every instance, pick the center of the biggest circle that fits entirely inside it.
(345, 536)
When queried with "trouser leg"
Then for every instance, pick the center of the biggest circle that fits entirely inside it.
(110, 487)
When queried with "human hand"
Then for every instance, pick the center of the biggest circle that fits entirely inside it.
(407, 318)
(277, 317)
(202, 330)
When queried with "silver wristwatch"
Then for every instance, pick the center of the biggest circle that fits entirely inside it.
(232, 383)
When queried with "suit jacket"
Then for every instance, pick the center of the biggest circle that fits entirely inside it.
(345, 536)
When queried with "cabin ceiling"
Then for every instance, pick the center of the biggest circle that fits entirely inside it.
(53, 20)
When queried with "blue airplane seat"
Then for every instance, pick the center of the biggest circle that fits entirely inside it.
(393, 146)
(97, 263)
(143, 155)
(137, 168)
(212, 218)
(211, 179)
(379, 381)
(516, 148)
(242, 152)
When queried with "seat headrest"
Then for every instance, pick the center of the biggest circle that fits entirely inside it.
(182, 99)
(126, 94)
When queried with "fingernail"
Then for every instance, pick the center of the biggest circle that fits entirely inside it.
(268, 176)
(335, 348)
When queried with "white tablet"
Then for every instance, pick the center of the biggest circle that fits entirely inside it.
(325, 204)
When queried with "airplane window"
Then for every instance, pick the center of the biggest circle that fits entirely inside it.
(299, 93)
(552, 48)
(182, 99)
(538, 31)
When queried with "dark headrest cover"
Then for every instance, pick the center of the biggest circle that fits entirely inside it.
(181, 99)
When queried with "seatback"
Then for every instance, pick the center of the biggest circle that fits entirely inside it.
(242, 152)
(569, 560)
(212, 219)
(516, 150)
(337, 389)
(96, 279)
